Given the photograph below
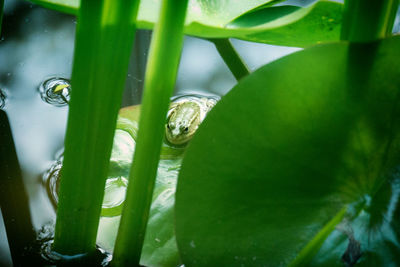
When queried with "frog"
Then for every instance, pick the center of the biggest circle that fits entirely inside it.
(184, 117)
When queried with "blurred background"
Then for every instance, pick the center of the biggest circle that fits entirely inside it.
(37, 44)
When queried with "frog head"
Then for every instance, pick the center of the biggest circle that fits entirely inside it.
(182, 122)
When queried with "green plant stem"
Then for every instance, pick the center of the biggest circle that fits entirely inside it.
(309, 251)
(159, 83)
(368, 20)
(103, 45)
(231, 58)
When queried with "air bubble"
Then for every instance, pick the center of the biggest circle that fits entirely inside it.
(56, 91)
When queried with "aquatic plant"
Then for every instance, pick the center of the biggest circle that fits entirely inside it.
(296, 165)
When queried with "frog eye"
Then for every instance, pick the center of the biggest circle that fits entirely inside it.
(171, 126)
(186, 129)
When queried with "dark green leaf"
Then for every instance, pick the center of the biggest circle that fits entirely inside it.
(260, 16)
(278, 157)
(318, 23)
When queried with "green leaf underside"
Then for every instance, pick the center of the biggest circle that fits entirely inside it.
(261, 16)
(253, 20)
(292, 144)
(159, 247)
(64, 6)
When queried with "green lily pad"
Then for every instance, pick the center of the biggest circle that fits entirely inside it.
(254, 20)
(279, 158)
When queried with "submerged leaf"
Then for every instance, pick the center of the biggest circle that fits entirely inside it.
(159, 247)
(288, 148)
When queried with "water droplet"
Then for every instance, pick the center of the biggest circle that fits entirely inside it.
(192, 244)
(3, 98)
(55, 91)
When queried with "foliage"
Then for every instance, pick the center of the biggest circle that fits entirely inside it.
(252, 20)
(297, 165)
(296, 176)
(293, 144)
